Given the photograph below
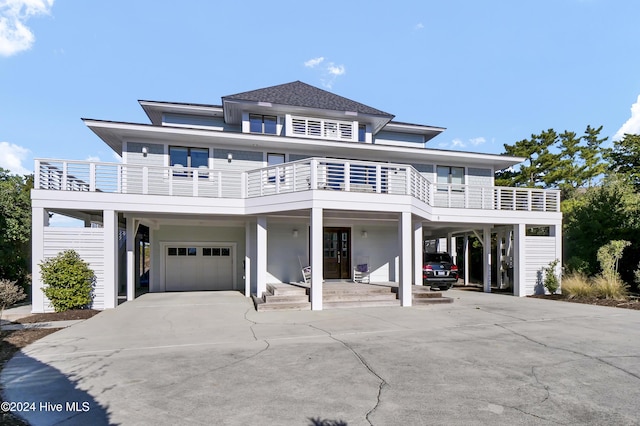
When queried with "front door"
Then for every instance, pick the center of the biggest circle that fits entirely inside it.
(337, 253)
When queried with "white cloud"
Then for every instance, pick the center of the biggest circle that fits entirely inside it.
(418, 26)
(15, 36)
(93, 159)
(312, 63)
(477, 141)
(632, 125)
(12, 156)
(335, 69)
(457, 143)
(329, 71)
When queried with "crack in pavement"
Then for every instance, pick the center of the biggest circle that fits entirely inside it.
(364, 362)
(253, 323)
(570, 351)
(520, 410)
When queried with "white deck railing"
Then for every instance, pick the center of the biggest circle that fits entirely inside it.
(312, 173)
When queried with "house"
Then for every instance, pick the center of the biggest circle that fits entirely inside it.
(246, 193)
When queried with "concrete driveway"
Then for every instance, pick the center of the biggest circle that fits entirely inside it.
(209, 358)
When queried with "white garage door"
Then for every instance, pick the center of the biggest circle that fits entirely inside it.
(196, 267)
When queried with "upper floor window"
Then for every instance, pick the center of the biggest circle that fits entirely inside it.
(362, 132)
(274, 160)
(188, 157)
(450, 176)
(266, 124)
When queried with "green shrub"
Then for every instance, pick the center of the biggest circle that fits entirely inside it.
(609, 256)
(577, 284)
(10, 293)
(551, 281)
(69, 281)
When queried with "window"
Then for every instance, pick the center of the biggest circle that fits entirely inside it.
(188, 157)
(216, 251)
(274, 160)
(447, 175)
(266, 124)
(362, 132)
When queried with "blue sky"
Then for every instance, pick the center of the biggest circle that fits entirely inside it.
(491, 72)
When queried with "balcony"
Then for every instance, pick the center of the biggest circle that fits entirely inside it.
(304, 175)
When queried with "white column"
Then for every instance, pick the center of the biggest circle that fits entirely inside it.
(316, 258)
(110, 229)
(404, 229)
(39, 219)
(466, 259)
(519, 263)
(499, 258)
(131, 257)
(486, 256)
(558, 234)
(451, 247)
(261, 255)
(418, 248)
(247, 259)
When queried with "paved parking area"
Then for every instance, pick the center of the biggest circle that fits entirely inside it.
(209, 358)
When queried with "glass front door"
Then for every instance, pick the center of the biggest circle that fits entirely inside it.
(337, 253)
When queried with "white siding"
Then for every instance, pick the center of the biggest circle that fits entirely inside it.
(540, 251)
(242, 160)
(155, 156)
(399, 139)
(285, 252)
(479, 177)
(89, 243)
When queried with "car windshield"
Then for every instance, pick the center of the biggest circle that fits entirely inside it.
(437, 257)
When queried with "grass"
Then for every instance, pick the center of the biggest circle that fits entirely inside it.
(577, 285)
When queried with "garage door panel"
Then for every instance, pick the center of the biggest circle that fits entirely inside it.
(195, 268)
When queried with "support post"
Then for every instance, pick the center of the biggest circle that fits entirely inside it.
(486, 256)
(110, 229)
(132, 230)
(404, 229)
(519, 253)
(261, 255)
(466, 259)
(39, 220)
(418, 247)
(247, 259)
(316, 258)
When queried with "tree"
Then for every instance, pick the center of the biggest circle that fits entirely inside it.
(538, 161)
(624, 159)
(593, 166)
(15, 226)
(602, 214)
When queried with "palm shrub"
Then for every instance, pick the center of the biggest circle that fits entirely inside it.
(69, 281)
(551, 281)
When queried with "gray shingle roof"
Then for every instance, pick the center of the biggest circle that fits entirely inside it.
(301, 94)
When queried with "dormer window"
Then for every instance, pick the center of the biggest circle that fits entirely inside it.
(265, 124)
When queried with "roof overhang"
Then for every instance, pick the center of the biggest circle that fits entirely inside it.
(115, 134)
(155, 110)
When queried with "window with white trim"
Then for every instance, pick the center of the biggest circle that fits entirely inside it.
(265, 124)
(447, 175)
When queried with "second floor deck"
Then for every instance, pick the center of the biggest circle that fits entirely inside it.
(325, 174)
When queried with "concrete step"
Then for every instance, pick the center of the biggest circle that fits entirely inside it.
(281, 289)
(262, 307)
(356, 289)
(360, 304)
(270, 298)
(354, 297)
(427, 295)
(432, 301)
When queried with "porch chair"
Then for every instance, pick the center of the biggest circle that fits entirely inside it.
(361, 271)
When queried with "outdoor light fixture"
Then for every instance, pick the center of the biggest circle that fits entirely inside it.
(145, 150)
(364, 234)
(229, 157)
(295, 233)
